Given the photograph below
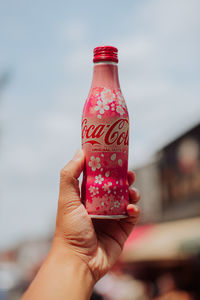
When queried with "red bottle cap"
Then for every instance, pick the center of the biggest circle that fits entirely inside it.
(105, 53)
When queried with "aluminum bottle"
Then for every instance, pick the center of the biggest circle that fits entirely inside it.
(105, 140)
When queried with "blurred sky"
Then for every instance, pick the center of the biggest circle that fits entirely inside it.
(46, 47)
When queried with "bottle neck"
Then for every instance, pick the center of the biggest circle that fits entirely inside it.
(105, 74)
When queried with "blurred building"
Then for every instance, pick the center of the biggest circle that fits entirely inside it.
(164, 249)
(170, 182)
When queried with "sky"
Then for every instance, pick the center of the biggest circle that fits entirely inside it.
(46, 48)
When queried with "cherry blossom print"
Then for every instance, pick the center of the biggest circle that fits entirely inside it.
(102, 203)
(97, 201)
(122, 103)
(105, 142)
(117, 204)
(112, 106)
(113, 156)
(99, 179)
(120, 162)
(93, 102)
(107, 173)
(106, 187)
(101, 107)
(111, 198)
(107, 95)
(94, 190)
(121, 100)
(94, 163)
(120, 110)
(92, 110)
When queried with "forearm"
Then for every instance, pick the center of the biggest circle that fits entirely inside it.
(62, 276)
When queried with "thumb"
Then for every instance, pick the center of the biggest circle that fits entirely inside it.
(69, 196)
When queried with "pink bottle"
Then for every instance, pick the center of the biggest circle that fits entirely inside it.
(105, 139)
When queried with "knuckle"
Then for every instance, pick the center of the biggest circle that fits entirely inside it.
(65, 175)
(138, 211)
(63, 172)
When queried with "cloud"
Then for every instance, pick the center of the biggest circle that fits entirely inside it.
(74, 31)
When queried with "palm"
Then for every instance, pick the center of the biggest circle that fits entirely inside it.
(98, 242)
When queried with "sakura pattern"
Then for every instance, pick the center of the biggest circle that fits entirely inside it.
(107, 100)
(105, 185)
(94, 163)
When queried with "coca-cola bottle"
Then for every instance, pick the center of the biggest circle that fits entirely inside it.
(105, 139)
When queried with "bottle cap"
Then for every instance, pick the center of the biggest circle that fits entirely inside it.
(105, 53)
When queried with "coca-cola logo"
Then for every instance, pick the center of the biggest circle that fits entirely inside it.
(109, 134)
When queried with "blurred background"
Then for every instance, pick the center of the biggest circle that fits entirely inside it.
(45, 75)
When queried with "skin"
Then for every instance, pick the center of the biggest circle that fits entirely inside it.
(83, 250)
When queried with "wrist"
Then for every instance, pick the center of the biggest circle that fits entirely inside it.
(61, 276)
(69, 262)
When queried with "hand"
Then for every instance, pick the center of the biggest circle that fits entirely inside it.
(98, 243)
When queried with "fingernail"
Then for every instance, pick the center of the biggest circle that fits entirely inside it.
(137, 193)
(136, 208)
(78, 155)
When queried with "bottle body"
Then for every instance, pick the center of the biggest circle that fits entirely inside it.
(105, 139)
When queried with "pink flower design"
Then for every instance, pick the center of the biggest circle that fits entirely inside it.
(121, 100)
(120, 110)
(99, 202)
(111, 198)
(92, 110)
(99, 179)
(112, 106)
(122, 103)
(120, 162)
(107, 96)
(106, 187)
(101, 107)
(94, 163)
(116, 204)
(94, 190)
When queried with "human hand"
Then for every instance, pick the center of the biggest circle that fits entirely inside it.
(98, 243)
